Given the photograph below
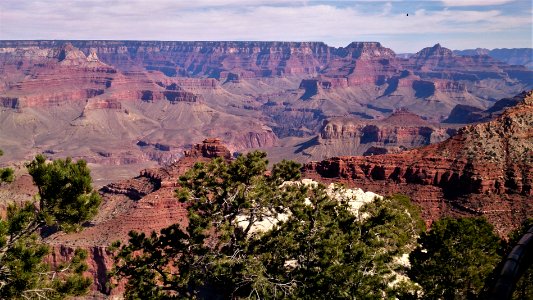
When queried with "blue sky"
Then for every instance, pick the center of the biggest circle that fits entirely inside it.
(456, 24)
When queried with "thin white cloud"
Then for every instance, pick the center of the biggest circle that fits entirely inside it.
(475, 2)
(235, 20)
(387, 8)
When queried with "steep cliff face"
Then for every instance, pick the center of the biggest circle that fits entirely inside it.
(54, 76)
(360, 63)
(63, 102)
(206, 58)
(431, 61)
(431, 81)
(110, 95)
(464, 114)
(432, 57)
(483, 170)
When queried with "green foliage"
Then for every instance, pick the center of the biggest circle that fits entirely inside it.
(73, 283)
(454, 258)
(317, 245)
(23, 274)
(67, 198)
(338, 254)
(6, 174)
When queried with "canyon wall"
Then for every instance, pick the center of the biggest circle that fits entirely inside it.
(483, 170)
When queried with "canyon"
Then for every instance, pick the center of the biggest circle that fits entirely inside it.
(127, 105)
(144, 203)
(482, 170)
(452, 132)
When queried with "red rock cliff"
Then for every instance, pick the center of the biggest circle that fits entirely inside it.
(486, 169)
(145, 203)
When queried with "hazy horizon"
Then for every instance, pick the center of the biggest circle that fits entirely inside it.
(259, 41)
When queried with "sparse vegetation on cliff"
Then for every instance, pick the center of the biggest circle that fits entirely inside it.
(6, 174)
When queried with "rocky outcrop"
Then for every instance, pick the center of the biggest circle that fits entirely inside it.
(145, 203)
(352, 136)
(360, 63)
(463, 114)
(103, 104)
(180, 96)
(253, 139)
(98, 259)
(311, 87)
(439, 62)
(483, 170)
(134, 189)
(53, 76)
(433, 55)
(209, 148)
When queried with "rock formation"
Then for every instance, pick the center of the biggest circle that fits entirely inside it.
(63, 102)
(145, 203)
(483, 170)
(464, 114)
(142, 102)
(516, 56)
(209, 148)
(354, 136)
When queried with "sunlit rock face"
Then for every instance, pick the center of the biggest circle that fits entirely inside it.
(485, 169)
(355, 198)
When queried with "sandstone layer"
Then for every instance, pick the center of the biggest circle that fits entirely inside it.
(486, 169)
(354, 136)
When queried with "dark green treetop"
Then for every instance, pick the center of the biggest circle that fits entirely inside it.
(455, 258)
(66, 197)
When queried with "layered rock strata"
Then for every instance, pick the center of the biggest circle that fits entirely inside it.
(486, 169)
(355, 136)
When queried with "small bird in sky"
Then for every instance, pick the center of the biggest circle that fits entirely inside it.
(407, 15)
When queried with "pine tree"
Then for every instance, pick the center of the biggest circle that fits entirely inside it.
(316, 245)
(455, 258)
(66, 200)
(66, 196)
